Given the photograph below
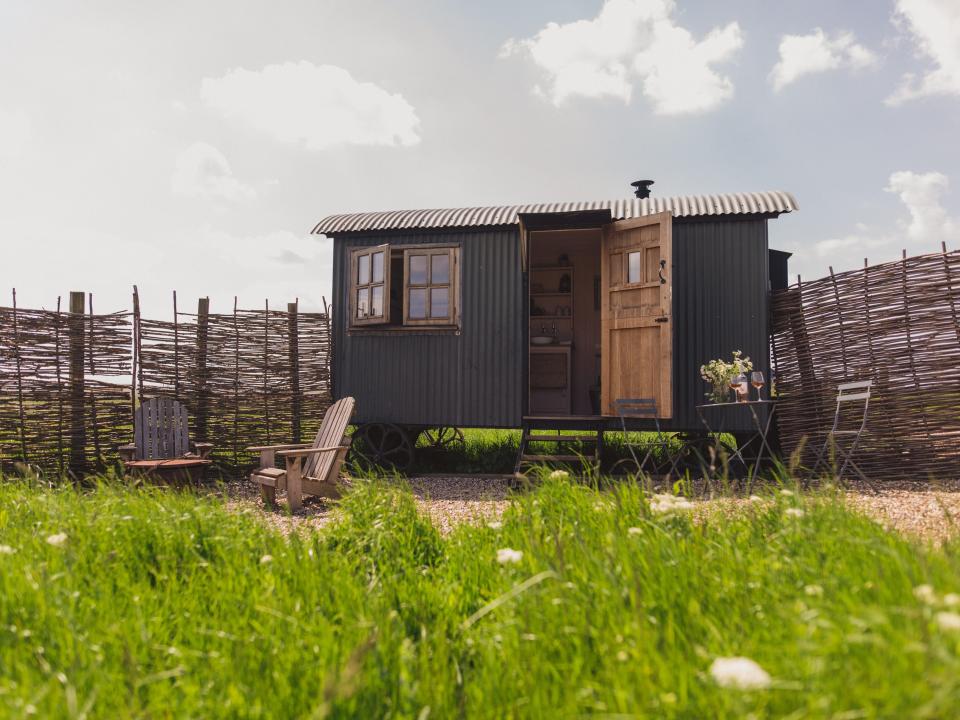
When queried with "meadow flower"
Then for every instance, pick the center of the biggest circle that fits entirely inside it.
(925, 594)
(559, 475)
(739, 672)
(266, 559)
(509, 555)
(622, 656)
(951, 599)
(6, 550)
(786, 493)
(495, 525)
(57, 540)
(634, 531)
(948, 621)
(664, 504)
(794, 512)
(755, 498)
(813, 590)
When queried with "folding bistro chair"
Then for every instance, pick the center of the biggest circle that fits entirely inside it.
(855, 392)
(644, 409)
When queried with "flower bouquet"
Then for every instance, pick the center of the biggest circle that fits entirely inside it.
(719, 373)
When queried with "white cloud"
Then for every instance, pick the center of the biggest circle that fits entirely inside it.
(16, 131)
(921, 192)
(935, 26)
(815, 53)
(318, 105)
(633, 41)
(928, 222)
(203, 171)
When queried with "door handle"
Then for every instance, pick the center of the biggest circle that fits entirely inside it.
(661, 319)
(663, 264)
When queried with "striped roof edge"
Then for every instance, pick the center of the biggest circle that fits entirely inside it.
(752, 203)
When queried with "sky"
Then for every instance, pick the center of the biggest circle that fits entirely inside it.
(192, 146)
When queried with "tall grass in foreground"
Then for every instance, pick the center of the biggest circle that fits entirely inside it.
(117, 603)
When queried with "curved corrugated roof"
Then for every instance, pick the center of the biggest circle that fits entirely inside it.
(682, 206)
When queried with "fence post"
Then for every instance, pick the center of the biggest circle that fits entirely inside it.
(203, 328)
(78, 434)
(294, 352)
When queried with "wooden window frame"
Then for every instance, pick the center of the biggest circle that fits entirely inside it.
(453, 285)
(355, 286)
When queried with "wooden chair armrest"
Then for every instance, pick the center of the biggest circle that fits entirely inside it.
(308, 451)
(203, 449)
(290, 446)
(127, 452)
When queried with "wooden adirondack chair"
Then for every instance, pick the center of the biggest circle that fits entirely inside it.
(318, 475)
(162, 444)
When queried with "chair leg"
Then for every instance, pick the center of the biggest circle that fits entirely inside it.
(268, 495)
(294, 485)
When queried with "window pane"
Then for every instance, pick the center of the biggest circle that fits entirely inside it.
(378, 267)
(440, 269)
(363, 270)
(633, 267)
(418, 270)
(418, 303)
(376, 300)
(363, 306)
(439, 302)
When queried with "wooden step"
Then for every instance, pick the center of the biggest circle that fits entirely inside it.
(560, 438)
(554, 458)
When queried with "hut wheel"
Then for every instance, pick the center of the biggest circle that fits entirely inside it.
(443, 437)
(385, 444)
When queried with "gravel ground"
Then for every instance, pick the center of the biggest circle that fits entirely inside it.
(920, 510)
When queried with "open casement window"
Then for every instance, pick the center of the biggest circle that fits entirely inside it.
(430, 292)
(370, 286)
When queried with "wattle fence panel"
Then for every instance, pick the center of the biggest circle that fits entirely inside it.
(897, 324)
(70, 380)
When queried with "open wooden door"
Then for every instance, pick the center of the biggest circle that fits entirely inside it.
(636, 324)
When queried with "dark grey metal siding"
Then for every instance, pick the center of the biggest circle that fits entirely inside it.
(720, 280)
(471, 379)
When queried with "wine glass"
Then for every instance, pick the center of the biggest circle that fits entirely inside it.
(735, 385)
(739, 384)
(756, 379)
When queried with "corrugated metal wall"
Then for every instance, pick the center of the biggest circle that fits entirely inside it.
(720, 304)
(471, 379)
(477, 378)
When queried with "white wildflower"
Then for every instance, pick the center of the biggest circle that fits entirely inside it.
(622, 656)
(509, 555)
(6, 550)
(634, 531)
(755, 498)
(665, 504)
(786, 493)
(925, 594)
(57, 540)
(559, 475)
(948, 621)
(529, 636)
(266, 559)
(794, 512)
(495, 525)
(951, 599)
(739, 672)
(813, 590)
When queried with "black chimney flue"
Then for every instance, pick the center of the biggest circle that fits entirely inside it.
(642, 188)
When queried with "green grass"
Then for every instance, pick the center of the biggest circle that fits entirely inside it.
(163, 604)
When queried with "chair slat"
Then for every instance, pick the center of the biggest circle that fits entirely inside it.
(339, 415)
(853, 396)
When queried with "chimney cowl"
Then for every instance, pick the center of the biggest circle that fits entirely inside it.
(642, 188)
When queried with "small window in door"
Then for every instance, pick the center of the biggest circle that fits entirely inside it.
(370, 286)
(430, 286)
(633, 266)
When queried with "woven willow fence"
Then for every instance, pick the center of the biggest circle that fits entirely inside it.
(70, 380)
(251, 377)
(897, 324)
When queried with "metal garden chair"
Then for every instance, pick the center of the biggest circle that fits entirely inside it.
(847, 393)
(644, 409)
